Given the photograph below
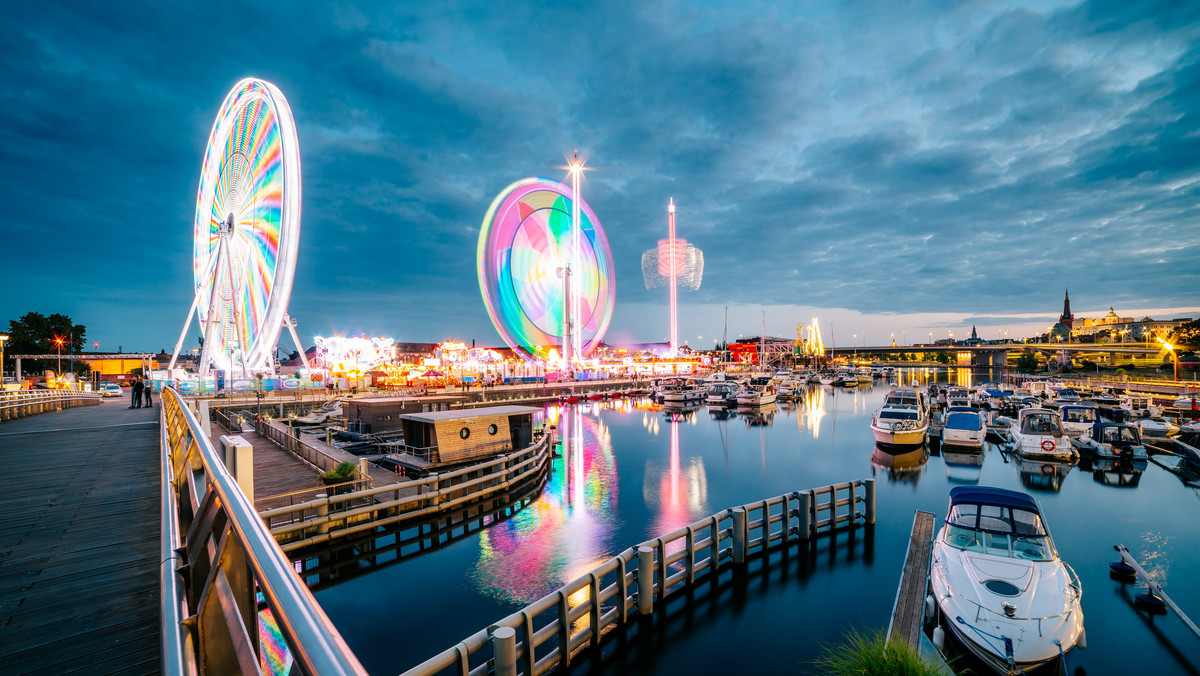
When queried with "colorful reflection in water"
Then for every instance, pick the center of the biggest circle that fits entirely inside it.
(676, 494)
(565, 533)
(812, 411)
(274, 656)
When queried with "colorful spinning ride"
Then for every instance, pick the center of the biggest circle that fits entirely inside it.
(247, 230)
(541, 279)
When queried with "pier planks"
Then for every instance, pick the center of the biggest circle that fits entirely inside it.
(910, 597)
(79, 539)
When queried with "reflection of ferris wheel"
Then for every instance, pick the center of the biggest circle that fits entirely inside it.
(247, 231)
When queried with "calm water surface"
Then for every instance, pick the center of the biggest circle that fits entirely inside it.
(634, 472)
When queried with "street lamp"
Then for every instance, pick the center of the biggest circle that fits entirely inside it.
(58, 341)
(1171, 349)
(3, 339)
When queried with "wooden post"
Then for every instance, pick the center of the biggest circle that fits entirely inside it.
(870, 485)
(645, 581)
(504, 646)
(739, 535)
(805, 510)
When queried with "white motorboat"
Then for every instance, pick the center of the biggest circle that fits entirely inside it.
(1077, 420)
(998, 583)
(963, 428)
(718, 392)
(756, 395)
(903, 420)
(957, 396)
(682, 392)
(1039, 433)
(322, 414)
(1157, 427)
(1139, 406)
(963, 466)
(826, 377)
(1188, 400)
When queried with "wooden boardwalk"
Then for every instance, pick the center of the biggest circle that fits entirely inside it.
(908, 612)
(79, 541)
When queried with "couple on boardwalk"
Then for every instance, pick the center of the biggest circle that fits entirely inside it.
(141, 393)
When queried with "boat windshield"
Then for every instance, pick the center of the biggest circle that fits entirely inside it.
(1079, 415)
(1119, 435)
(898, 414)
(1040, 423)
(999, 531)
(902, 399)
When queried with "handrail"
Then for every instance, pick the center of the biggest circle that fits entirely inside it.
(226, 554)
(20, 403)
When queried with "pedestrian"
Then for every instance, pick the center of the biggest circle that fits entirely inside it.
(146, 393)
(137, 392)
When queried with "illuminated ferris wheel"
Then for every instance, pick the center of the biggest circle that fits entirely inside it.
(246, 231)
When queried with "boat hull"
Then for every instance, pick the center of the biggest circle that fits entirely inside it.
(900, 438)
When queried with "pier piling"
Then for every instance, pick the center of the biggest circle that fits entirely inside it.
(739, 535)
(504, 646)
(645, 581)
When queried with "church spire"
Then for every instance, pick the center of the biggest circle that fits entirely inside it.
(1067, 319)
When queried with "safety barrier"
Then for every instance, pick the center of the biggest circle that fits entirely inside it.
(292, 443)
(325, 518)
(217, 558)
(16, 404)
(627, 585)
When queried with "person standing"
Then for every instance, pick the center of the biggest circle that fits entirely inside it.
(137, 392)
(146, 393)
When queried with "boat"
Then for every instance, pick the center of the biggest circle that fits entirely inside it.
(1188, 400)
(998, 583)
(957, 396)
(1155, 426)
(1076, 419)
(1138, 406)
(682, 391)
(963, 428)
(1113, 440)
(903, 420)
(718, 392)
(322, 414)
(1038, 433)
(756, 395)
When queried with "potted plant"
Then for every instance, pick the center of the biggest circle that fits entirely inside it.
(343, 473)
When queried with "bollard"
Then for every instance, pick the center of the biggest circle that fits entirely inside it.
(504, 647)
(806, 514)
(870, 502)
(645, 581)
(322, 510)
(739, 535)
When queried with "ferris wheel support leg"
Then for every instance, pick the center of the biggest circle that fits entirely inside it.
(291, 327)
(187, 321)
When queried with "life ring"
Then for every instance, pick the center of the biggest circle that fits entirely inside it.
(897, 426)
(1048, 446)
(1047, 470)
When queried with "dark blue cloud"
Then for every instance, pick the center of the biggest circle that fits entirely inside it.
(880, 157)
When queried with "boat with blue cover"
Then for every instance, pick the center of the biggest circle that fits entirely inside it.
(998, 583)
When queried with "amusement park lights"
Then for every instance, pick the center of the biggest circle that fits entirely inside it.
(672, 264)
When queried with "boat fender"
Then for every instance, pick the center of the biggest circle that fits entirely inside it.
(929, 607)
(939, 638)
(1082, 642)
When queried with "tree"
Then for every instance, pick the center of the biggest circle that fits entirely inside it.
(1027, 362)
(943, 358)
(1187, 334)
(35, 333)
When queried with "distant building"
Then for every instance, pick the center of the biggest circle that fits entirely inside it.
(974, 339)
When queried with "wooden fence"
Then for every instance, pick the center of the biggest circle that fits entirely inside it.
(553, 628)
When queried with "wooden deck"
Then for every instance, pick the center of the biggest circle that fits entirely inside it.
(910, 597)
(79, 541)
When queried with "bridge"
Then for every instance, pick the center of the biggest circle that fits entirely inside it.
(997, 355)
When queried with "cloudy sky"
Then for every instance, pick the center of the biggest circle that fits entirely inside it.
(892, 167)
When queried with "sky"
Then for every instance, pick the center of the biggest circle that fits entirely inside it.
(907, 168)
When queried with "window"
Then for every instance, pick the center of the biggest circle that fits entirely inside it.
(464, 432)
(492, 429)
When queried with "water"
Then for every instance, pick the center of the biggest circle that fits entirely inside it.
(637, 472)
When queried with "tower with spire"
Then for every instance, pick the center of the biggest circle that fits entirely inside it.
(1067, 319)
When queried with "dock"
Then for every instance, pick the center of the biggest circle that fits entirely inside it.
(908, 611)
(79, 541)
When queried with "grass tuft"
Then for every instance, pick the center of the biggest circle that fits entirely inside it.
(869, 653)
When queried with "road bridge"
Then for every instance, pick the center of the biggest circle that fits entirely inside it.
(997, 355)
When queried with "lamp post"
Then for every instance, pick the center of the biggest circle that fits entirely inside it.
(3, 340)
(58, 342)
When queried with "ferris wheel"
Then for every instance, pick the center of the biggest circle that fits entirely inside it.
(246, 232)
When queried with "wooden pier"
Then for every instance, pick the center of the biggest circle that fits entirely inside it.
(79, 541)
(908, 613)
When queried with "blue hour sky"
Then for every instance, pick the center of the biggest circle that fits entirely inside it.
(891, 167)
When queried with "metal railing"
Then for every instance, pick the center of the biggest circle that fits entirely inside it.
(306, 451)
(625, 586)
(22, 403)
(217, 557)
(325, 518)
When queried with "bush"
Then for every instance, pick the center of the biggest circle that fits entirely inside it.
(870, 653)
(344, 469)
